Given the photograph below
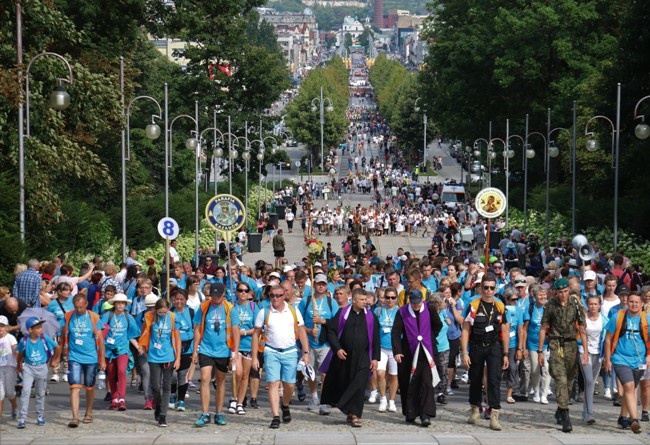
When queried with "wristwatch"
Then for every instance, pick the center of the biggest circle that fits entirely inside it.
(305, 352)
(540, 351)
(505, 354)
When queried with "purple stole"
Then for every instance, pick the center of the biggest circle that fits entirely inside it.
(415, 334)
(343, 319)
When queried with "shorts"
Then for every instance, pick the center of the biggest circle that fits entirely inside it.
(387, 359)
(280, 366)
(646, 374)
(8, 377)
(626, 374)
(221, 363)
(317, 356)
(278, 253)
(82, 374)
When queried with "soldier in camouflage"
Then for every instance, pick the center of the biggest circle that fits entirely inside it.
(564, 319)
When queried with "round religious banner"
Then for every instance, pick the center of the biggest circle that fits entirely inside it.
(225, 213)
(490, 202)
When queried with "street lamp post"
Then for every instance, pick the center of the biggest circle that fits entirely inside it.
(507, 154)
(321, 106)
(152, 131)
(424, 147)
(551, 152)
(59, 100)
(477, 155)
(593, 145)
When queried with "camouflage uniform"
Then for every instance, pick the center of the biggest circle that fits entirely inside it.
(563, 322)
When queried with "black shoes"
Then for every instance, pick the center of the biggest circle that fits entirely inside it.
(286, 414)
(275, 423)
(442, 399)
(425, 421)
(566, 421)
(254, 404)
(162, 421)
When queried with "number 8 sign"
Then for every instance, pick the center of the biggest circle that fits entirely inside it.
(168, 228)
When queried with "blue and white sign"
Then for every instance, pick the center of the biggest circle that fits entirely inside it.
(168, 228)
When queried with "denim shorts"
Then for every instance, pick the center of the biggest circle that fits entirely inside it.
(78, 371)
(280, 366)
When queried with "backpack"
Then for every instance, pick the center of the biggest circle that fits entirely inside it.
(511, 255)
(267, 314)
(205, 306)
(48, 352)
(621, 329)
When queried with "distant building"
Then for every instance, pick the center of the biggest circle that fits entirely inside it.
(378, 15)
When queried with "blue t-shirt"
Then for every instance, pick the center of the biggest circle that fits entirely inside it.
(213, 340)
(514, 318)
(185, 325)
(630, 350)
(161, 346)
(122, 329)
(441, 339)
(455, 329)
(386, 319)
(432, 283)
(534, 326)
(81, 339)
(247, 313)
(323, 308)
(33, 351)
(56, 306)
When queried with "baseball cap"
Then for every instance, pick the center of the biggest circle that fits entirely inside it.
(520, 282)
(389, 257)
(623, 289)
(589, 275)
(274, 274)
(217, 290)
(32, 322)
(4, 321)
(560, 284)
(415, 296)
(320, 278)
(150, 300)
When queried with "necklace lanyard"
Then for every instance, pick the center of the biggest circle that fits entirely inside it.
(319, 307)
(491, 312)
(161, 326)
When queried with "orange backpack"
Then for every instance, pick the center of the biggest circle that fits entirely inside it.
(621, 328)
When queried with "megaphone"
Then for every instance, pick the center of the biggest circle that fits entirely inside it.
(581, 244)
(466, 245)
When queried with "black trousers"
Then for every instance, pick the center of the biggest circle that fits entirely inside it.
(481, 356)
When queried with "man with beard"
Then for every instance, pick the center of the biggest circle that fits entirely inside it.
(414, 335)
(353, 335)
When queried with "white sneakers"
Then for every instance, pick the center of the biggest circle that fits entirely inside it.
(373, 396)
(536, 397)
(383, 404)
(608, 394)
(391, 406)
(314, 404)
(54, 378)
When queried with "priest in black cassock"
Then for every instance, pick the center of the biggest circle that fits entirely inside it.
(414, 333)
(353, 335)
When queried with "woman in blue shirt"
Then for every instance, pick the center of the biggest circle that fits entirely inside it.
(185, 322)
(247, 311)
(120, 329)
(161, 339)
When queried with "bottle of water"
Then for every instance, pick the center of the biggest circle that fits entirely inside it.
(101, 380)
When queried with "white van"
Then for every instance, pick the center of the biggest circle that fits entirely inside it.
(453, 195)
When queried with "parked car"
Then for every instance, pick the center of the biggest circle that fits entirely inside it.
(291, 142)
(283, 165)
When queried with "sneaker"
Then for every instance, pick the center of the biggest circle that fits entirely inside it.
(608, 394)
(324, 410)
(65, 378)
(219, 420)
(121, 405)
(635, 426)
(454, 384)
(286, 414)
(240, 410)
(391, 406)
(114, 404)
(21, 424)
(14, 414)
(450, 392)
(232, 406)
(203, 419)
(531, 392)
(623, 422)
(314, 404)
(40, 421)
(55, 378)
(373, 396)
(536, 397)
(465, 378)
(644, 416)
(543, 400)
(302, 395)
(442, 399)
(254, 403)
(191, 384)
(148, 405)
(180, 406)
(383, 404)
(275, 423)
(162, 421)
(172, 401)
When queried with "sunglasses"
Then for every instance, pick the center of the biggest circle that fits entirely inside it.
(489, 287)
(497, 267)
(242, 290)
(514, 299)
(390, 298)
(276, 295)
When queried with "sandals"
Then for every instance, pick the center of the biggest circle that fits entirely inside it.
(88, 418)
(134, 381)
(355, 422)
(275, 423)
(74, 423)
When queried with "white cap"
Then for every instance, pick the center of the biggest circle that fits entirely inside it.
(150, 300)
(589, 275)
(4, 320)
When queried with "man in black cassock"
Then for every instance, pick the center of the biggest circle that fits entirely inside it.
(414, 333)
(353, 335)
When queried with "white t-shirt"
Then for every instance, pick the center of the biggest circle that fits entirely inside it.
(7, 356)
(594, 331)
(280, 328)
(607, 305)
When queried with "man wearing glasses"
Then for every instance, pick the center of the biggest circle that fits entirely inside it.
(209, 268)
(283, 325)
(499, 276)
(484, 327)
